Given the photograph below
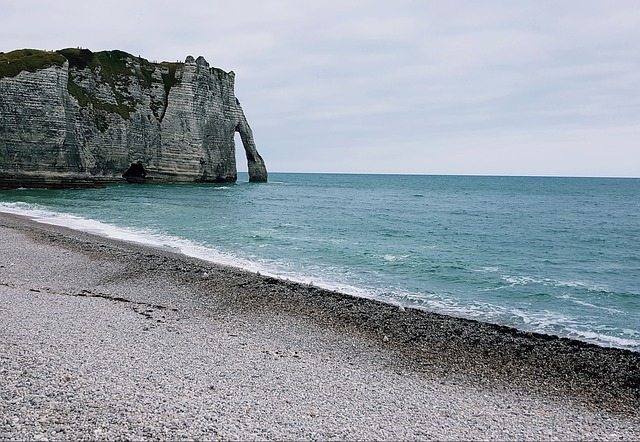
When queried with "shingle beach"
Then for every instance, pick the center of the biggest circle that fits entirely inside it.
(106, 340)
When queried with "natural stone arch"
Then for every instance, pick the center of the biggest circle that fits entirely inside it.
(255, 163)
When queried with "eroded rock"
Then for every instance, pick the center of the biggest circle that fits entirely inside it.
(77, 118)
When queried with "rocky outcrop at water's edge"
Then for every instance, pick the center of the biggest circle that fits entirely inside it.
(74, 118)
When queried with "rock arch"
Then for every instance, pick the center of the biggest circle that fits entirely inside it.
(255, 163)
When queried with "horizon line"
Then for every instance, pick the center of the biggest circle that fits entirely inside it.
(456, 174)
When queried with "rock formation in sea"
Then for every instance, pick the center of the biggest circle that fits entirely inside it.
(77, 118)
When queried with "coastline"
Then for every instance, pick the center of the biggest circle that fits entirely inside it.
(277, 341)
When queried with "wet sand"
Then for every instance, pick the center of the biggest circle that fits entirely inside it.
(101, 339)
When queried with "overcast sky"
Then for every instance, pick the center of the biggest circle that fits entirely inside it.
(541, 87)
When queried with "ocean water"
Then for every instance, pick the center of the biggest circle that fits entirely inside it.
(552, 255)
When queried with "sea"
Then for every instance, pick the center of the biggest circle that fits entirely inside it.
(552, 255)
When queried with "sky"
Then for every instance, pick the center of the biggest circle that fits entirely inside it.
(528, 87)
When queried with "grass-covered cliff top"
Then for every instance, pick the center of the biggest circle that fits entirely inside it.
(115, 64)
(114, 67)
(112, 63)
(31, 60)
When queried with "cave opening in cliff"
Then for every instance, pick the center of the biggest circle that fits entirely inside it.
(135, 173)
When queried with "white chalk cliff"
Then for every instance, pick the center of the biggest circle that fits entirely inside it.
(73, 117)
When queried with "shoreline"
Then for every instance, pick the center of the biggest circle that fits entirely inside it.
(104, 231)
(427, 348)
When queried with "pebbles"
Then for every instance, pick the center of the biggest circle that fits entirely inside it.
(150, 351)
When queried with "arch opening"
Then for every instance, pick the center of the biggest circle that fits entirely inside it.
(255, 164)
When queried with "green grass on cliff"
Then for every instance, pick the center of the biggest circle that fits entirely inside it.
(117, 68)
(169, 79)
(114, 69)
(30, 60)
(115, 65)
(84, 98)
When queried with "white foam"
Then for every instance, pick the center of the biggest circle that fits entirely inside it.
(603, 339)
(579, 284)
(588, 304)
(488, 269)
(521, 280)
(526, 280)
(543, 322)
(146, 237)
(149, 237)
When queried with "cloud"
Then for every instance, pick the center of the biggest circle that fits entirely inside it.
(416, 86)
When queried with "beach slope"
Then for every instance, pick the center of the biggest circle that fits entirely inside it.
(101, 339)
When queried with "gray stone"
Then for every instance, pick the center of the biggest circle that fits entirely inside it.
(84, 121)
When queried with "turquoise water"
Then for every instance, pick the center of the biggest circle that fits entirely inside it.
(552, 255)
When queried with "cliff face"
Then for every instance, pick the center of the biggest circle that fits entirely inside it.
(73, 117)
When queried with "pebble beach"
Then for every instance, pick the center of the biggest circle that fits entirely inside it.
(108, 340)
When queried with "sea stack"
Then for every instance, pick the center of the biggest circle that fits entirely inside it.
(75, 118)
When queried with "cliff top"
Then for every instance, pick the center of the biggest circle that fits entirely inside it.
(112, 63)
(31, 60)
(115, 68)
